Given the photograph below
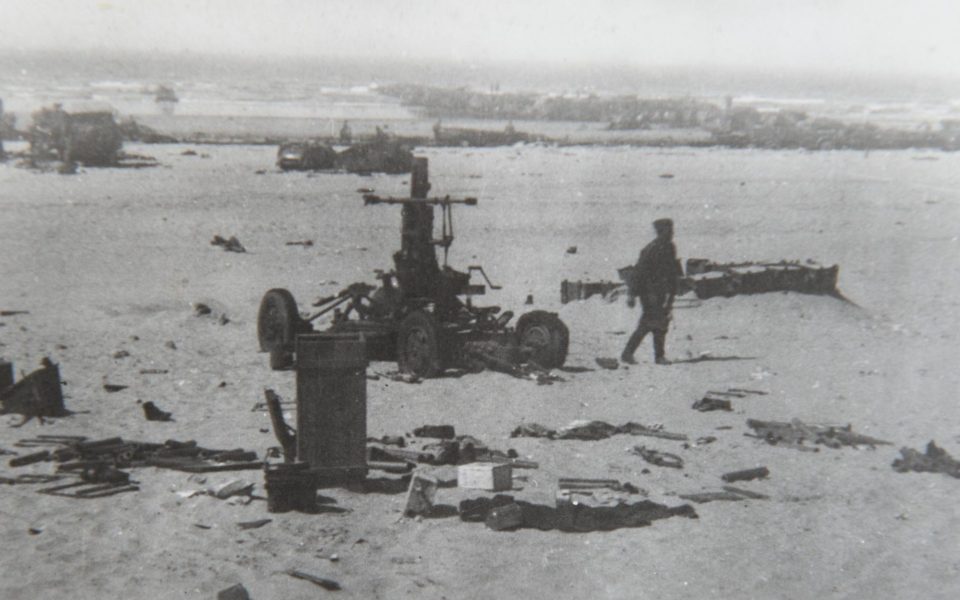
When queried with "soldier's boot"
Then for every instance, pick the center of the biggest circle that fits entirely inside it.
(632, 344)
(659, 343)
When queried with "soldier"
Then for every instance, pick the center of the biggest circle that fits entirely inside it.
(346, 134)
(654, 280)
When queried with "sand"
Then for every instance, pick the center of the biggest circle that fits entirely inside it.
(113, 259)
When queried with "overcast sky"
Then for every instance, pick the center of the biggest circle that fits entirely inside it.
(919, 36)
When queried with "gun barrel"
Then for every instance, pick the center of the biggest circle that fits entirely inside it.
(445, 201)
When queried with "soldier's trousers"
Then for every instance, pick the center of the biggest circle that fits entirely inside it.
(654, 319)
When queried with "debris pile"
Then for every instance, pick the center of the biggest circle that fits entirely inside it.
(594, 430)
(231, 245)
(796, 432)
(708, 279)
(36, 395)
(935, 460)
(504, 513)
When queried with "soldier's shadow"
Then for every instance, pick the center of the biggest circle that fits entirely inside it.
(700, 359)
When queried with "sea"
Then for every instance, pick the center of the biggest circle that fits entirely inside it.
(327, 91)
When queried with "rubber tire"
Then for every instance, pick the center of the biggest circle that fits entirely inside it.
(277, 321)
(423, 361)
(554, 338)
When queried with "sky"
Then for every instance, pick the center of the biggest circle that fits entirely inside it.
(871, 36)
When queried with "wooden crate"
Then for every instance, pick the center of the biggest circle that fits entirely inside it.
(494, 477)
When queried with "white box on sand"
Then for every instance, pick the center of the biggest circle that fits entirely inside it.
(493, 477)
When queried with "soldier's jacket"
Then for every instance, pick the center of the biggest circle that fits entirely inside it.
(657, 270)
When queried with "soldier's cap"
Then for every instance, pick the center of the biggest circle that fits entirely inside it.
(661, 224)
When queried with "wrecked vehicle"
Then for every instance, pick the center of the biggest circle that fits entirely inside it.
(379, 156)
(306, 156)
(422, 315)
(86, 133)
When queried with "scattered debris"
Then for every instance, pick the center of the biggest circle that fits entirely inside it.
(327, 584)
(200, 309)
(708, 279)
(86, 490)
(188, 152)
(154, 371)
(304, 243)
(234, 592)
(29, 459)
(170, 344)
(608, 363)
(704, 497)
(746, 475)
(707, 404)
(594, 430)
(121, 354)
(231, 245)
(113, 387)
(796, 432)
(36, 395)
(655, 457)
(572, 250)
(494, 477)
(504, 518)
(745, 493)
(420, 495)
(153, 413)
(254, 524)
(11, 313)
(444, 432)
(232, 488)
(570, 517)
(935, 460)
(574, 483)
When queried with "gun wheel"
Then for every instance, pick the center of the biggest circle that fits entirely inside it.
(418, 345)
(277, 321)
(544, 338)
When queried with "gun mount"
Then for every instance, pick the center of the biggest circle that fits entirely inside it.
(416, 316)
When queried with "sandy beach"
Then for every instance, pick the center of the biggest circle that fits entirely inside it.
(112, 260)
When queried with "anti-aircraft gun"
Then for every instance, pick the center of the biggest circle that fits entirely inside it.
(422, 314)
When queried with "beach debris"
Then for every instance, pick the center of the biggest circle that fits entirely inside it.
(745, 493)
(594, 430)
(229, 245)
(29, 478)
(934, 460)
(796, 432)
(327, 584)
(704, 497)
(707, 404)
(234, 487)
(444, 432)
(85, 490)
(708, 279)
(575, 483)
(154, 371)
(121, 354)
(38, 394)
(658, 458)
(12, 313)
(290, 486)
(29, 459)
(253, 524)
(666, 176)
(170, 344)
(234, 592)
(572, 250)
(400, 377)
(506, 517)
(573, 517)
(494, 477)
(608, 363)
(420, 495)
(304, 243)
(153, 413)
(746, 475)
(188, 152)
(200, 309)
(112, 388)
